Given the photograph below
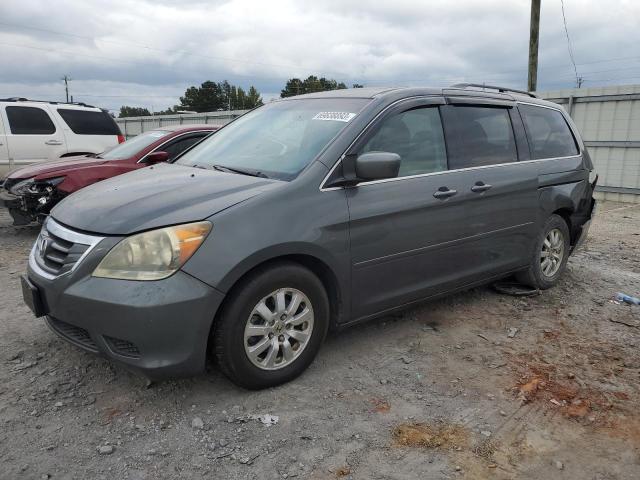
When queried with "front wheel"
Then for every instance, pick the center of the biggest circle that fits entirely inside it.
(272, 327)
(550, 255)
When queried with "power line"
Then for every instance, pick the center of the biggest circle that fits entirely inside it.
(162, 50)
(111, 59)
(189, 53)
(566, 31)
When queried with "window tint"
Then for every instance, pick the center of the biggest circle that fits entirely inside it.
(180, 145)
(87, 122)
(416, 135)
(29, 121)
(478, 136)
(549, 134)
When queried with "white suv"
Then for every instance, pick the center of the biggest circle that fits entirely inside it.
(36, 131)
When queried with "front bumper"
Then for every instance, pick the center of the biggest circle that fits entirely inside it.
(9, 200)
(16, 207)
(159, 329)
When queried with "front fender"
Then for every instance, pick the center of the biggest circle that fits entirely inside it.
(279, 251)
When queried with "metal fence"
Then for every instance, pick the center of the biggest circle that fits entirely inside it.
(609, 121)
(607, 117)
(132, 126)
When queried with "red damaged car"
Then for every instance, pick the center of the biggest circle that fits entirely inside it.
(31, 192)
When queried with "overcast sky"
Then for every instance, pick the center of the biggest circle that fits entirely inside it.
(146, 53)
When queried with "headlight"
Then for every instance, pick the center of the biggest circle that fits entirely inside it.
(35, 186)
(153, 255)
(20, 187)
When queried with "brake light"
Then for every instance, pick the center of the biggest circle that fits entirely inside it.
(120, 138)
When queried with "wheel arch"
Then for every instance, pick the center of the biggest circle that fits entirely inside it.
(317, 265)
(566, 213)
(75, 154)
(564, 200)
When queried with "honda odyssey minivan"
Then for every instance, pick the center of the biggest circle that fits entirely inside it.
(310, 213)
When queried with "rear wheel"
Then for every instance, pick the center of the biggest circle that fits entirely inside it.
(550, 255)
(272, 327)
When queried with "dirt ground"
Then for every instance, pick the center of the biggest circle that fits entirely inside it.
(444, 391)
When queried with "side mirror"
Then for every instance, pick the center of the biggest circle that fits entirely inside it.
(156, 157)
(377, 165)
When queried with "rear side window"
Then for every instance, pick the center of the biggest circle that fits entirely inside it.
(478, 136)
(87, 122)
(416, 135)
(29, 121)
(549, 134)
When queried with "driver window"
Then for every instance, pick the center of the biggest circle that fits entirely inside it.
(416, 135)
(179, 146)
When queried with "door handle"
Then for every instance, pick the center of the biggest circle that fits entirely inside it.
(53, 142)
(444, 192)
(480, 187)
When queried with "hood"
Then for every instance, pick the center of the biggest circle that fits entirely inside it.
(53, 169)
(157, 196)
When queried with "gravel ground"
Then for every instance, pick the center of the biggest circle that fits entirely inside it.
(479, 385)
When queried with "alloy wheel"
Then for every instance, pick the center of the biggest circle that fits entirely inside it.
(278, 329)
(552, 253)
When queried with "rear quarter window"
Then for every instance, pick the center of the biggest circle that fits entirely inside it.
(87, 122)
(548, 132)
(29, 121)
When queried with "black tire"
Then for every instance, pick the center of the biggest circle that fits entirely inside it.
(228, 333)
(534, 276)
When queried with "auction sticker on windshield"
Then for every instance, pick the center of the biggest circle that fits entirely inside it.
(334, 116)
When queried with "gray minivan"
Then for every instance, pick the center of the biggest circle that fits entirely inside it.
(310, 213)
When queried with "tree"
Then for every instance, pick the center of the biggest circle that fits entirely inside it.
(212, 96)
(253, 99)
(169, 111)
(126, 111)
(295, 86)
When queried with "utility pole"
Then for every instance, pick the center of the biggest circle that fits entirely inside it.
(66, 79)
(534, 31)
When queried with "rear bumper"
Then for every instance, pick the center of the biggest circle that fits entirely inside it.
(584, 228)
(159, 329)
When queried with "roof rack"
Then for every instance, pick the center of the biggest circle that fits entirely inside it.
(23, 99)
(493, 87)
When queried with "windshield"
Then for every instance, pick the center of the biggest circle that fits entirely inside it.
(277, 140)
(133, 146)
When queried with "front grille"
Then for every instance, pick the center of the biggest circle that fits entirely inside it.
(122, 347)
(77, 335)
(55, 254)
(58, 249)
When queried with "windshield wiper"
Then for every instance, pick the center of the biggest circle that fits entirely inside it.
(241, 171)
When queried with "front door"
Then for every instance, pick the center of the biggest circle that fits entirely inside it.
(405, 231)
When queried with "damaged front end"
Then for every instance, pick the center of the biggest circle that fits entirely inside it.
(30, 200)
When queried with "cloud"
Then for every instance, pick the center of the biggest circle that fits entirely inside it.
(147, 53)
